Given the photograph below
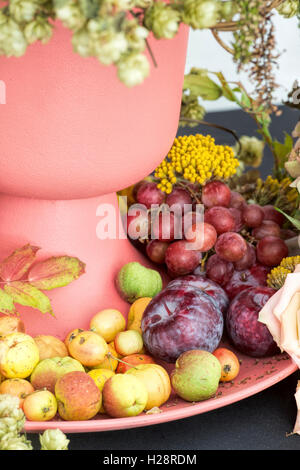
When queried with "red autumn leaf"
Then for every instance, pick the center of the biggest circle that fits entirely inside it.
(55, 272)
(17, 264)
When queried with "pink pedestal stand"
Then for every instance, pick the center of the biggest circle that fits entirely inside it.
(71, 135)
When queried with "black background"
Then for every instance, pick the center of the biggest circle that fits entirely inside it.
(260, 422)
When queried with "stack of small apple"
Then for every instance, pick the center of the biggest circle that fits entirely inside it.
(84, 375)
(236, 235)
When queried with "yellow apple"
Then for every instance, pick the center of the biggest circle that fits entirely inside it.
(136, 312)
(50, 346)
(124, 395)
(108, 323)
(129, 342)
(100, 376)
(109, 362)
(157, 382)
(18, 355)
(88, 347)
(78, 396)
(11, 325)
(17, 387)
(40, 406)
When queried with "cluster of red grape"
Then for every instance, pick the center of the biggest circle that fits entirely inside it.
(236, 234)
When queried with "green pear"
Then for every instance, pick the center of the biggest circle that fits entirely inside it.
(196, 375)
(135, 281)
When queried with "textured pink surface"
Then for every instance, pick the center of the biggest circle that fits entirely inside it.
(67, 227)
(70, 129)
(255, 376)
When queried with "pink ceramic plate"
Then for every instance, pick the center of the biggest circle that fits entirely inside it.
(255, 375)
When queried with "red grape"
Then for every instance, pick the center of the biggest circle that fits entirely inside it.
(253, 215)
(156, 251)
(272, 214)
(137, 222)
(221, 218)
(191, 218)
(271, 250)
(231, 246)
(236, 200)
(248, 260)
(166, 227)
(178, 198)
(237, 214)
(216, 193)
(180, 260)
(267, 228)
(149, 194)
(201, 236)
(219, 270)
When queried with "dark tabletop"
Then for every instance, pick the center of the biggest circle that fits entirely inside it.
(258, 422)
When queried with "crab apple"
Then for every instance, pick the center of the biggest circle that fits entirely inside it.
(128, 342)
(78, 397)
(40, 405)
(247, 334)
(89, 348)
(252, 215)
(202, 236)
(181, 260)
(17, 387)
(216, 193)
(133, 360)
(107, 323)
(231, 246)
(230, 365)
(149, 194)
(124, 395)
(271, 250)
(221, 218)
(11, 325)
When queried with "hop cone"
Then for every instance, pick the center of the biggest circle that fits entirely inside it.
(8, 405)
(252, 150)
(133, 69)
(9, 442)
(82, 43)
(162, 20)
(12, 40)
(23, 10)
(54, 439)
(201, 14)
(288, 8)
(190, 108)
(38, 30)
(71, 15)
(135, 35)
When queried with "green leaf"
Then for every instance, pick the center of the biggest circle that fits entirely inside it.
(6, 303)
(294, 221)
(25, 294)
(199, 84)
(55, 272)
(283, 149)
(17, 264)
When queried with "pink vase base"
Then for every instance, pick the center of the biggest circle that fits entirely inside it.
(68, 228)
